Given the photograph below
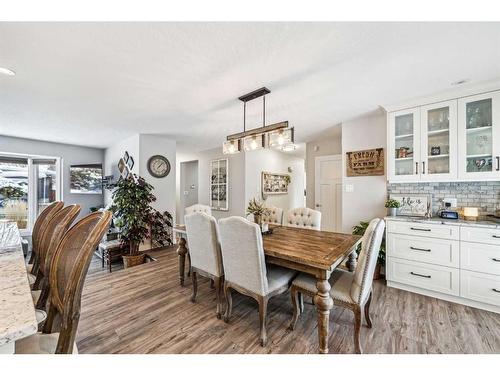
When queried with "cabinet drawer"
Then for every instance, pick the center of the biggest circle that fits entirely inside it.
(428, 276)
(482, 235)
(480, 287)
(449, 232)
(480, 257)
(421, 249)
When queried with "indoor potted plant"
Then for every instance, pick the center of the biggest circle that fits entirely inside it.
(392, 206)
(360, 230)
(137, 220)
(257, 209)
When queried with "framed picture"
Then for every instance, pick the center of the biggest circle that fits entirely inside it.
(366, 162)
(219, 179)
(86, 179)
(275, 183)
(413, 204)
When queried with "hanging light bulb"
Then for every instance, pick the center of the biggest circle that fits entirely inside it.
(253, 142)
(231, 147)
(280, 138)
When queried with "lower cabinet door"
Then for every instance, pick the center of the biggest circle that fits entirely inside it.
(480, 287)
(427, 276)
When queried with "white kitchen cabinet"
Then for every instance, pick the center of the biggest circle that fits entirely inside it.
(479, 137)
(404, 145)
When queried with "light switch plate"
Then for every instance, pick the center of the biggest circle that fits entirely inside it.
(349, 188)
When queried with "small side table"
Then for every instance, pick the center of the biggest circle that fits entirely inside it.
(110, 250)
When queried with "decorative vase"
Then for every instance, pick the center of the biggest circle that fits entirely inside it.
(392, 211)
(257, 219)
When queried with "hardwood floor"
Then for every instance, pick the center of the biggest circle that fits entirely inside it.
(145, 310)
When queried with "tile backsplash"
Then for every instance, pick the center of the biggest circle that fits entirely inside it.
(485, 195)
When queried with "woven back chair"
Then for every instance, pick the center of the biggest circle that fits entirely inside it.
(49, 240)
(40, 223)
(68, 269)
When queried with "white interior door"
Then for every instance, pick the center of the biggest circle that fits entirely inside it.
(328, 191)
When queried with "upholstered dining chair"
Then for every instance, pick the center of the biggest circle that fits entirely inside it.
(42, 219)
(275, 216)
(206, 258)
(49, 240)
(198, 208)
(68, 269)
(349, 290)
(304, 218)
(245, 268)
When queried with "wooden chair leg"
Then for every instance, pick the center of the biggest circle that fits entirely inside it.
(212, 284)
(296, 307)
(32, 257)
(38, 281)
(49, 322)
(41, 304)
(357, 329)
(189, 264)
(218, 294)
(229, 302)
(263, 319)
(194, 279)
(367, 311)
(301, 302)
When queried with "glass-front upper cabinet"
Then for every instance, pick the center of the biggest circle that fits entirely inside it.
(404, 145)
(439, 141)
(479, 136)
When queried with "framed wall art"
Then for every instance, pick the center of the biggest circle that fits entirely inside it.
(365, 163)
(413, 204)
(85, 179)
(219, 180)
(275, 183)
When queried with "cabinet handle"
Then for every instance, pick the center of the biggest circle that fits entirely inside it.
(421, 229)
(496, 290)
(495, 260)
(419, 249)
(423, 167)
(495, 236)
(418, 274)
(498, 163)
(416, 167)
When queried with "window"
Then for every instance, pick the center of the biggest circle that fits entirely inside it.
(28, 184)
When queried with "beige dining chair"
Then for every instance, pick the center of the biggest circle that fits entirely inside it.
(245, 268)
(206, 258)
(274, 217)
(198, 208)
(349, 290)
(304, 218)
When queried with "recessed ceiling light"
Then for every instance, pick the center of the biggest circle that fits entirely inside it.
(460, 82)
(7, 72)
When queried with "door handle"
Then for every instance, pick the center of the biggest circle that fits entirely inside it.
(495, 260)
(318, 205)
(421, 229)
(498, 163)
(496, 290)
(416, 167)
(495, 236)
(419, 249)
(423, 167)
(420, 275)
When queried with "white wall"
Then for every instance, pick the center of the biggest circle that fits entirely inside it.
(366, 201)
(70, 155)
(112, 156)
(189, 184)
(266, 160)
(328, 143)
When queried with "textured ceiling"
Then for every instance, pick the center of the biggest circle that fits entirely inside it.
(93, 83)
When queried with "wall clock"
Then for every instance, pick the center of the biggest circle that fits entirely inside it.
(158, 166)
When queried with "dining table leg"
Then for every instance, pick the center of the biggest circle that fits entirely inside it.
(352, 261)
(181, 252)
(324, 304)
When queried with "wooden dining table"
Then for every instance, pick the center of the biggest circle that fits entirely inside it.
(317, 253)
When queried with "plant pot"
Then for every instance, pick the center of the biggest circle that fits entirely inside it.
(133, 260)
(257, 219)
(392, 211)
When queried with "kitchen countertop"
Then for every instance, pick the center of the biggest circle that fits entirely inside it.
(484, 223)
(17, 313)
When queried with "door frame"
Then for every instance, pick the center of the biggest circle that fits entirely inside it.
(317, 159)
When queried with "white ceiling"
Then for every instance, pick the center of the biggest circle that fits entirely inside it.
(94, 83)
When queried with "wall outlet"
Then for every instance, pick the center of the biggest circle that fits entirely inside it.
(452, 201)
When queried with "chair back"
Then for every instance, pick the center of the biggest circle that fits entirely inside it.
(304, 218)
(52, 234)
(68, 269)
(275, 216)
(198, 208)
(203, 240)
(243, 254)
(367, 260)
(42, 219)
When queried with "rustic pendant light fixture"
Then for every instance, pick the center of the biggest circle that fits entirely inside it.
(277, 135)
